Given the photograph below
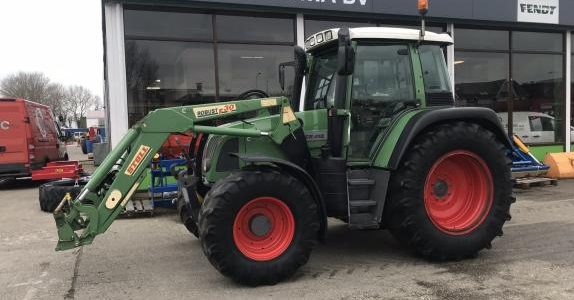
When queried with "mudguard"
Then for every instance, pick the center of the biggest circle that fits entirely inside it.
(302, 175)
(430, 118)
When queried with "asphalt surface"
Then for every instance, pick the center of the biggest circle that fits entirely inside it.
(156, 258)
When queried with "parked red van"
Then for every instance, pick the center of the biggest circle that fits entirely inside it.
(29, 138)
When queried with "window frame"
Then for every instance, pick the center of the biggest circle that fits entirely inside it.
(511, 51)
(215, 41)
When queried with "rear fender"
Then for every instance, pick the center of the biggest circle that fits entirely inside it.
(302, 175)
(428, 119)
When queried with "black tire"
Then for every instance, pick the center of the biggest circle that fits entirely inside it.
(224, 202)
(84, 146)
(405, 213)
(52, 193)
(189, 221)
(252, 94)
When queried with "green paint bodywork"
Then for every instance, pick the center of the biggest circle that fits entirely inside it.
(80, 220)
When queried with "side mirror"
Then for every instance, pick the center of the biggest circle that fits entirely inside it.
(346, 54)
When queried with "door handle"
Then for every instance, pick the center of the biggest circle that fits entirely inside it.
(524, 136)
(536, 136)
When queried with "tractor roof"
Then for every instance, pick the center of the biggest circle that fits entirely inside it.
(389, 33)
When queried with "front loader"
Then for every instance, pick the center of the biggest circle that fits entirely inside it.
(377, 145)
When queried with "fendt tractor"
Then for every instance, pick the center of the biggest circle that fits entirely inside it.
(376, 143)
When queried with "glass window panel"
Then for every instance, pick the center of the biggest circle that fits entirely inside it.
(539, 96)
(480, 79)
(435, 74)
(243, 28)
(165, 74)
(481, 39)
(321, 86)
(436, 29)
(382, 83)
(139, 23)
(314, 26)
(244, 68)
(536, 41)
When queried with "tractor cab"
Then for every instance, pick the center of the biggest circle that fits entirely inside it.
(375, 74)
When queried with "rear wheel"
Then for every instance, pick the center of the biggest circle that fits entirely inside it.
(452, 193)
(258, 227)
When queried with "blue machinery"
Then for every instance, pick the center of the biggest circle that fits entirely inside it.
(160, 172)
(523, 162)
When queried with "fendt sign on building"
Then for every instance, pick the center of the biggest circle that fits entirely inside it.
(538, 11)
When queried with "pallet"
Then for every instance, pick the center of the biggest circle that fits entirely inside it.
(528, 182)
(140, 205)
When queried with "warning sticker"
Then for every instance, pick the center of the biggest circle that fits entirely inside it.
(207, 111)
(137, 160)
(268, 102)
(288, 115)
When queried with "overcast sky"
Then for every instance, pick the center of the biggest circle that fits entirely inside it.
(61, 38)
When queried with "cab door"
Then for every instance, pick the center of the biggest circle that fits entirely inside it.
(382, 87)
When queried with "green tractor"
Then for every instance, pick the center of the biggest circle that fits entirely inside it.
(378, 144)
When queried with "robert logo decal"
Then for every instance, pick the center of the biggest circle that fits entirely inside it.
(207, 111)
(143, 151)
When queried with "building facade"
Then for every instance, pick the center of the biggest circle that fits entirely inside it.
(513, 56)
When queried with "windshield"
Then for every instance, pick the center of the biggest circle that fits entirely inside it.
(434, 69)
(322, 81)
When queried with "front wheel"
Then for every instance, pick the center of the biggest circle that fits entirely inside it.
(452, 193)
(258, 227)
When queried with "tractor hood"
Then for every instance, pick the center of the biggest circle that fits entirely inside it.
(217, 161)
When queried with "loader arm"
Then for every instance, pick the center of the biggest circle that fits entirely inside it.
(120, 174)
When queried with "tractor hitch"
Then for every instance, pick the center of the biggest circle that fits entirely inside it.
(72, 216)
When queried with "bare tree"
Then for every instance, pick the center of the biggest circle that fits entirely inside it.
(71, 103)
(141, 68)
(55, 99)
(30, 86)
(78, 100)
(35, 87)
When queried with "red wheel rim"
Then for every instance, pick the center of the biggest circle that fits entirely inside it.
(458, 192)
(264, 228)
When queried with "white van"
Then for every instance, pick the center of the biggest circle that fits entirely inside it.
(533, 127)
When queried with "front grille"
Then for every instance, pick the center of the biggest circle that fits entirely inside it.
(212, 144)
(209, 151)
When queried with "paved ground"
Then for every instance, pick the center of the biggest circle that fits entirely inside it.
(155, 258)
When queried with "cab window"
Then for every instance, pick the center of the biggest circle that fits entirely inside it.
(435, 75)
(322, 81)
(383, 84)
